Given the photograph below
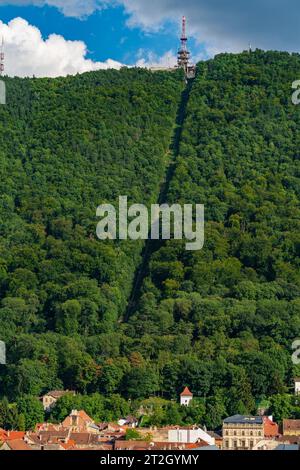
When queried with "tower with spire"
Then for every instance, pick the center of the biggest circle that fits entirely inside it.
(183, 53)
(183, 57)
(186, 397)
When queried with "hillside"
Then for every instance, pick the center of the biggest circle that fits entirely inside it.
(221, 320)
(68, 145)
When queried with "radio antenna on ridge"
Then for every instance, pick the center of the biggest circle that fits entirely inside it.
(183, 58)
(2, 57)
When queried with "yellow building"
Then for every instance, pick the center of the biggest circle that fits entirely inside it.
(291, 427)
(242, 432)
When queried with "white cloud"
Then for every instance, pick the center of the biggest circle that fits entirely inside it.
(220, 24)
(150, 59)
(225, 24)
(27, 53)
(74, 8)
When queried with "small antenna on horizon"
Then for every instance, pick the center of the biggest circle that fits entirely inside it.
(2, 57)
(169, 60)
(250, 48)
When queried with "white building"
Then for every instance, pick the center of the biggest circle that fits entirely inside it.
(186, 397)
(49, 399)
(297, 385)
(2, 353)
(190, 436)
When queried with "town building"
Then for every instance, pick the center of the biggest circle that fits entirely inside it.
(16, 444)
(190, 435)
(271, 429)
(245, 432)
(218, 439)
(266, 444)
(291, 427)
(297, 385)
(80, 421)
(186, 397)
(49, 399)
(130, 421)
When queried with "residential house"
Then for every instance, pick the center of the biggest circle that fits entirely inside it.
(189, 435)
(11, 435)
(15, 444)
(154, 446)
(291, 427)
(218, 439)
(130, 422)
(271, 429)
(266, 444)
(49, 400)
(79, 421)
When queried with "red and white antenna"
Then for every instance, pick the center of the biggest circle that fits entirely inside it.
(183, 34)
(2, 57)
(183, 53)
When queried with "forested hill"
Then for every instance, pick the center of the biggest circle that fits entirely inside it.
(68, 145)
(221, 320)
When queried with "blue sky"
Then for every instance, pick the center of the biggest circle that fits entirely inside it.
(114, 32)
(105, 32)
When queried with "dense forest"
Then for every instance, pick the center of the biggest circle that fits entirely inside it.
(221, 320)
(68, 145)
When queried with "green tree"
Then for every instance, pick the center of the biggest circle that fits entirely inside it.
(32, 410)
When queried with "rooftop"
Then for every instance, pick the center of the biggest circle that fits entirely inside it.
(287, 447)
(242, 419)
(58, 393)
(291, 425)
(18, 444)
(186, 393)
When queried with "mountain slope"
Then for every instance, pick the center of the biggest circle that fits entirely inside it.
(221, 320)
(68, 145)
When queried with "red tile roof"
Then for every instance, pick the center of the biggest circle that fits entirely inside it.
(270, 428)
(68, 445)
(13, 435)
(10, 435)
(186, 393)
(18, 444)
(85, 416)
(291, 425)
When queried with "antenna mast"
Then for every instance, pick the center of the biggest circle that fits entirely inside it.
(184, 54)
(2, 57)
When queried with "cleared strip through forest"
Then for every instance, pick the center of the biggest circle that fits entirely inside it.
(151, 246)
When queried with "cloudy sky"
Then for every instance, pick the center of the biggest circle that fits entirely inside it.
(60, 37)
